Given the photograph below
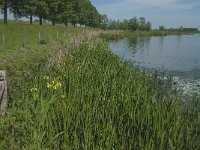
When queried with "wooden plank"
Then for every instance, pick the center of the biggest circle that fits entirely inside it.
(3, 93)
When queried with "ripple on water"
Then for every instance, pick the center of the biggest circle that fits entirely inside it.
(179, 54)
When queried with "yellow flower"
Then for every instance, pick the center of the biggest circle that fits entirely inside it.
(49, 85)
(54, 85)
(46, 77)
(58, 84)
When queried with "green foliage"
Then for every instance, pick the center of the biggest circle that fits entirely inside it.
(23, 8)
(62, 11)
(132, 24)
(54, 11)
(2, 5)
(104, 22)
(80, 12)
(95, 101)
(161, 28)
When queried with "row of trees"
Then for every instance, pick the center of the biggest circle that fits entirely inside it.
(62, 11)
(69, 11)
(180, 29)
(132, 24)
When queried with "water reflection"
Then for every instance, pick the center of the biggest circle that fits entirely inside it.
(180, 55)
(176, 53)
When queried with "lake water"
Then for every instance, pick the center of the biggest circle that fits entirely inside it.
(178, 54)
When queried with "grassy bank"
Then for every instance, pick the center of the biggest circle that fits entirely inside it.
(22, 34)
(92, 100)
(24, 43)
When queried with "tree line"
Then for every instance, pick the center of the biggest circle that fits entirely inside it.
(57, 11)
(180, 29)
(80, 12)
(131, 24)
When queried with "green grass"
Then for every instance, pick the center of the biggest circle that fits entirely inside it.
(19, 35)
(22, 42)
(102, 103)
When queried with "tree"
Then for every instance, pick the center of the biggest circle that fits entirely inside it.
(85, 7)
(161, 28)
(133, 24)
(4, 9)
(124, 25)
(148, 26)
(66, 11)
(41, 9)
(93, 17)
(23, 8)
(113, 24)
(142, 23)
(54, 11)
(104, 22)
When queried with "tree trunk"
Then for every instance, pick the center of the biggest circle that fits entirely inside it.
(40, 20)
(31, 18)
(5, 12)
(53, 22)
(66, 23)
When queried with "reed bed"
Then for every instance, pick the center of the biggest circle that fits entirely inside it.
(92, 100)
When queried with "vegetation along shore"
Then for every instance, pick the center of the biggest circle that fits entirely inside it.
(67, 90)
(81, 96)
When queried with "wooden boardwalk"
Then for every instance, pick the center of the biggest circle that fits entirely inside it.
(3, 93)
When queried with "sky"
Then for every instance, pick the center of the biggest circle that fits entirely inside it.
(169, 13)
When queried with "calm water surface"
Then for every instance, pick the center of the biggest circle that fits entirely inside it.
(179, 55)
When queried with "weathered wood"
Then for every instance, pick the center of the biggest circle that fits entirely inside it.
(39, 38)
(3, 41)
(3, 93)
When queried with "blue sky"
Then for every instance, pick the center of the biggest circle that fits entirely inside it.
(170, 13)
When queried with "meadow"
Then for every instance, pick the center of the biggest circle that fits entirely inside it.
(22, 34)
(90, 99)
(29, 43)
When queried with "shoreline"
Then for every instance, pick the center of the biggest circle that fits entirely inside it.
(87, 97)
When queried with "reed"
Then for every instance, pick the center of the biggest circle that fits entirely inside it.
(95, 101)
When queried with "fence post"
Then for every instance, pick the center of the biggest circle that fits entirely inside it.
(3, 93)
(39, 38)
(4, 40)
(23, 41)
(57, 35)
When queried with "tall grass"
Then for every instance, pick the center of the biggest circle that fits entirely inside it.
(102, 103)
